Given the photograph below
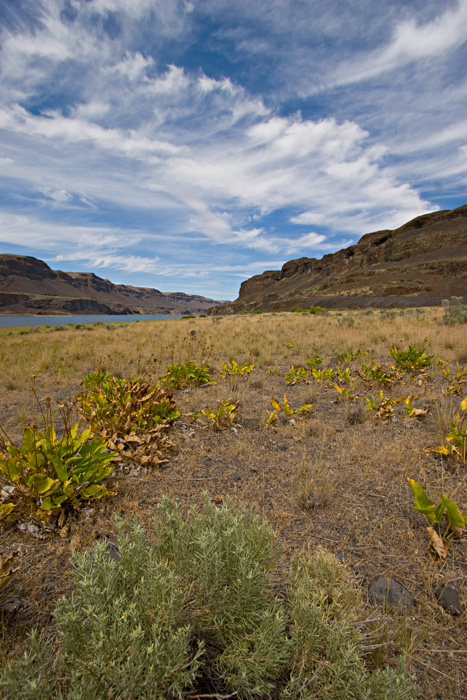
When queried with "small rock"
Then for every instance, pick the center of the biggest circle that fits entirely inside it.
(386, 591)
(340, 557)
(207, 462)
(12, 605)
(449, 599)
(112, 552)
(236, 477)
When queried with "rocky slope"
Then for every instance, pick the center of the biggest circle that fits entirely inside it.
(417, 264)
(30, 286)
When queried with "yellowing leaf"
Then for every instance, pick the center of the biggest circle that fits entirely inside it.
(276, 405)
(271, 418)
(287, 410)
(5, 509)
(438, 544)
(464, 404)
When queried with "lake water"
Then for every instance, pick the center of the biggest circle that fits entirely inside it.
(12, 321)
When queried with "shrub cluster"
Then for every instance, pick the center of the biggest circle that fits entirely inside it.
(194, 611)
(454, 311)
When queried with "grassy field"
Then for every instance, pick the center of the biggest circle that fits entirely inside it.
(334, 475)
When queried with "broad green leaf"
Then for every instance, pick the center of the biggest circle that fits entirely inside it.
(422, 503)
(94, 491)
(45, 485)
(50, 503)
(59, 467)
(454, 515)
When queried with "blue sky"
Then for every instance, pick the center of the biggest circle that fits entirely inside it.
(187, 145)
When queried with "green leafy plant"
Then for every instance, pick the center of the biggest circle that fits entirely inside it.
(186, 374)
(323, 375)
(345, 393)
(458, 436)
(314, 361)
(385, 407)
(222, 416)
(344, 375)
(447, 511)
(50, 471)
(233, 369)
(288, 412)
(375, 373)
(295, 375)
(132, 414)
(411, 359)
(318, 310)
(125, 405)
(351, 355)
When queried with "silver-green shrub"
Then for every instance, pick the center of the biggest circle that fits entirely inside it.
(193, 611)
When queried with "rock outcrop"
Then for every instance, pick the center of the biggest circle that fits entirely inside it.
(417, 264)
(29, 285)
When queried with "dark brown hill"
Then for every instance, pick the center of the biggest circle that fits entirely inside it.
(30, 286)
(418, 264)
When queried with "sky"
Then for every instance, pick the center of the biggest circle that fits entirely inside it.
(187, 145)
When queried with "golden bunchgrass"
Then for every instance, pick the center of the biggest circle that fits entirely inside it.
(336, 477)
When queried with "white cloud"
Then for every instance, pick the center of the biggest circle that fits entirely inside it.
(58, 196)
(106, 122)
(411, 41)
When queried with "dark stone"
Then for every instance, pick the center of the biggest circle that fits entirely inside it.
(207, 462)
(236, 477)
(449, 599)
(386, 591)
(112, 552)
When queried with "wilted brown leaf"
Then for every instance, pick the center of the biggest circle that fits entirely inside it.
(438, 544)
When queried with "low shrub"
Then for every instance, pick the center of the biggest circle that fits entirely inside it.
(194, 613)
(454, 311)
(182, 375)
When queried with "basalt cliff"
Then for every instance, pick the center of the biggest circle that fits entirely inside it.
(418, 264)
(30, 286)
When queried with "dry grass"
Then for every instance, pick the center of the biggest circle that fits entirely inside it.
(335, 478)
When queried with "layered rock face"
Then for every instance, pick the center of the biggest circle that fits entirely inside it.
(29, 285)
(417, 264)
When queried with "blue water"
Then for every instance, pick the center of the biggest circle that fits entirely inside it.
(11, 320)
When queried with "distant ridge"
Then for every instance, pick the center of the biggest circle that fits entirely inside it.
(418, 264)
(30, 286)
